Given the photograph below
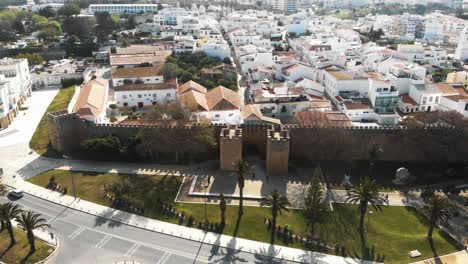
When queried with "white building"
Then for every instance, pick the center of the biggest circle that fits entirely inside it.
(184, 44)
(145, 95)
(90, 104)
(122, 8)
(140, 75)
(218, 48)
(286, 5)
(219, 105)
(461, 53)
(15, 86)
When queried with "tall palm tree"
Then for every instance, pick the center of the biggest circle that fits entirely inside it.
(278, 204)
(436, 208)
(29, 221)
(9, 212)
(367, 192)
(242, 168)
(222, 207)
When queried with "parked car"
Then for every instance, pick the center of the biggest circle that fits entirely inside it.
(17, 193)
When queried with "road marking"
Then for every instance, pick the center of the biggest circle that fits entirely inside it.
(76, 233)
(103, 241)
(132, 250)
(149, 245)
(164, 258)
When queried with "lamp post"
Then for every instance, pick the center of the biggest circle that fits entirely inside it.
(71, 174)
(207, 184)
(367, 232)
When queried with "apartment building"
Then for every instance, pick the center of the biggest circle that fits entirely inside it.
(122, 8)
(15, 86)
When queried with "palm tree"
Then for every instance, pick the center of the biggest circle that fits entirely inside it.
(222, 207)
(29, 221)
(364, 193)
(9, 212)
(315, 209)
(278, 204)
(436, 208)
(242, 168)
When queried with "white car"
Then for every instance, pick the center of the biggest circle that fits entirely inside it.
(16, 193)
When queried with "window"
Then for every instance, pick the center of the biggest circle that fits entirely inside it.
(423, 108)
(125, 104)
(424, 101)
(168, 94)
(216, 116)
(139, 96)
(154, 95)
(436, 100)
(231, 114)
(466, 107)
(430, 99)
(124, 96)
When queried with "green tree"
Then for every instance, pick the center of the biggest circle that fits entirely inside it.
(69, 9)
(33, 59)
(242, 168)
(29, 221)
(102, 146)
(8, 212)
(222, 207)
(436, 209)
(315, 209)
(105, 26)
(278, 203)
(169, 70)
(48, 12)
(367, 192)
(82, 27)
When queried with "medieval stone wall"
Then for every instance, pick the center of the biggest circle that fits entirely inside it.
(306, 143)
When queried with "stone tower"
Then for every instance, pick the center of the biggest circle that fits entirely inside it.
(64, 131)
(230, 147)
(277, 156)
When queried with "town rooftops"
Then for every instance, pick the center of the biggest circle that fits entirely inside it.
(337, 118)
(191, 85)
(405, 98)
(357, 104)
(121, 60)
(446, 88)
(91, 99)
(170, 84)
(252, 113)
(136, 72)
(217, 98)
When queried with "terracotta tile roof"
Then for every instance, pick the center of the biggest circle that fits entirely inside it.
(405, 98)
(194, 101)
(251, 112)
(120, 60)
(446, 88)
(91, 100)
(457, 97)
(191, 85)
(171, 84)
(140, 49)
(337, 118)
(136, 72)
(357, 104)
(216, 96)
(340, 75)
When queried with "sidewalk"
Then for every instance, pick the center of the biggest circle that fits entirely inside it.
(286, 253)
(394, 198)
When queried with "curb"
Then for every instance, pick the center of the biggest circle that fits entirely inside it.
(202, 241)
(52, 255)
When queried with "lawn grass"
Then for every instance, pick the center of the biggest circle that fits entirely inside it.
(90, 185)
(40, 140)
(393, 232)
(20, 250)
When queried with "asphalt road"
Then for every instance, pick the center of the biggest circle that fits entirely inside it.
(87, 238)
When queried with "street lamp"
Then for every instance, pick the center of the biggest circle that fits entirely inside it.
(367, 232)
(71, 174)
(207, 184)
